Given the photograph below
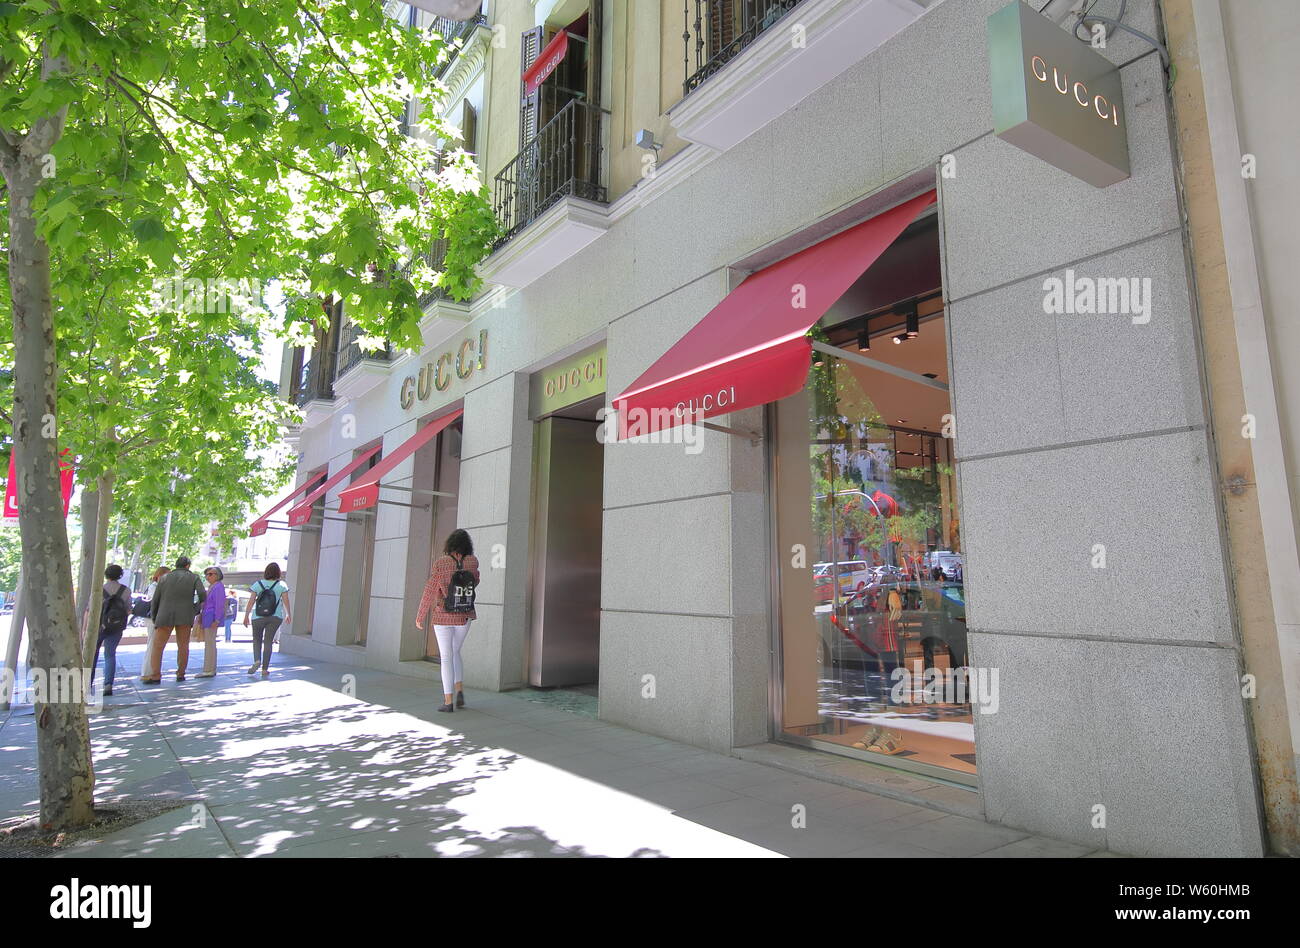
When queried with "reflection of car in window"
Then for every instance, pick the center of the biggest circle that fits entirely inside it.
(933, 615)
(853, 574)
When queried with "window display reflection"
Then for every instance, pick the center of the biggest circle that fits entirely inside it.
(884, 671)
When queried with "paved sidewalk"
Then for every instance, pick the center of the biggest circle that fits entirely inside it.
(293, 766)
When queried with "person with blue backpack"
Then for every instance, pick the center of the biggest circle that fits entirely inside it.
(269, 608)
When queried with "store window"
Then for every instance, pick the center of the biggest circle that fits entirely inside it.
(873, 609)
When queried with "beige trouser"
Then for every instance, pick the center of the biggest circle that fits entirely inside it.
(148, 669)
(210, 650)
(164, 632)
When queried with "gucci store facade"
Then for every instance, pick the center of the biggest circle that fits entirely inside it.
(863, 490)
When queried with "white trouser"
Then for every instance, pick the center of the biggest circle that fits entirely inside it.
(450, 639)
(146, 666)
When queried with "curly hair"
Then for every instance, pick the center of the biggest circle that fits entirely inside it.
(459, 544)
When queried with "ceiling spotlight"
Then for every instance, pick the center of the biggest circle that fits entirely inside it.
(913, 322)
(864, 341)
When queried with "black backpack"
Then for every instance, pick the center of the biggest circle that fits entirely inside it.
(267, 601)
(113, 613)
(460, 593)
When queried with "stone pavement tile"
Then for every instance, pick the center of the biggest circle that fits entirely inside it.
(953, 836)
(399, 698)
(885, 849)
(877, 810)
(707, 762)
(1037, 847)
(813, 840)
(735, 815)
(19, 800)
(116, 778)
(173, 784)
(749, 777)
(635, 776)
(589, 764)
(536, 744)
(268, 826)
(679, 793)
(791, 789)
(576, 722)
(177, 834)
(554, 809)
(661, 753)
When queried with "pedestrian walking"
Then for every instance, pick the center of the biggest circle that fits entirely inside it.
(114, 612)
(147, 669)
(176, 603)
(210, 616)
(449, 599)
(232, 610)
(270, 606)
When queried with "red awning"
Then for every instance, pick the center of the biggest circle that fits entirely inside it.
(551, 57)
(302, 513)
(365, 492)
(258, 526)
(753, 347)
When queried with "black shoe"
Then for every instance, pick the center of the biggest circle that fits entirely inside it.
(447, 708)
(108, 692)
(460, 699)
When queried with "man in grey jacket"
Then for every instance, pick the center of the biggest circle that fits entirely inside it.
(176, 602)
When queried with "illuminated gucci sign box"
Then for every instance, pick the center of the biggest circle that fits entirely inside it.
(571, 381)
(1055, 97)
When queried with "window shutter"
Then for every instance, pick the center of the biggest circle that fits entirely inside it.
(469, 128)
(722, 25)
(530, 49)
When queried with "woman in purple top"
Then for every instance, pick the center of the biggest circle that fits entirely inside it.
(212, 615)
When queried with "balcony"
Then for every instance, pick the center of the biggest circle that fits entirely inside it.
(442, 314)
(312, 387)
(549, 198)
(359, 370)
(723, 29)
(742, 69)
(456, 32)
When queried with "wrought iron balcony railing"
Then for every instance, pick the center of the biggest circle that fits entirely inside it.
(434, 257)
(721, 30)
(563, 159)
(316, 381)
(453, 31)
(351, 354)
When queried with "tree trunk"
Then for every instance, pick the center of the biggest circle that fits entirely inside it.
(67, 780)
(89, 514)
(90, 636)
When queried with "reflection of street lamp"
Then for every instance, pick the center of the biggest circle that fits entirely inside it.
(879, 513)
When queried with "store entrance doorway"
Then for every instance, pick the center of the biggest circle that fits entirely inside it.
(568, 509)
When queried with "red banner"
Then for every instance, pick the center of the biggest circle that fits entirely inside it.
(11, 487)
(551, 57)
